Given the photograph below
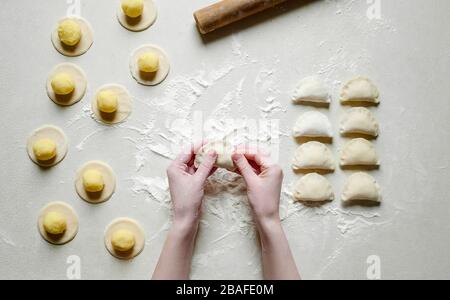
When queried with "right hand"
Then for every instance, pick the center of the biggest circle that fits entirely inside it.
(263, 179)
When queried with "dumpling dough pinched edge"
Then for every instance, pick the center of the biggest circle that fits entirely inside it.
(313, 156)
(54, 133)
(128, 224)
(79, 78)
(361, 187)
(71, 219)
(313, 124)
(87, 38)
(360, 89)
(124, 108)
(359, 120)
(109, 179)
(359, 152)
(313, 187)
(148, 17)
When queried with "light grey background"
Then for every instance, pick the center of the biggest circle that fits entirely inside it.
(406, 53)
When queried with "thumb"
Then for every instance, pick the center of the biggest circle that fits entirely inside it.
(207, 165)
(243, 165)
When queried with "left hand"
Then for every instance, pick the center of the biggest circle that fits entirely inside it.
(186, 184)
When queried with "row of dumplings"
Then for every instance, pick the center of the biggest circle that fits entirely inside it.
(315, 157)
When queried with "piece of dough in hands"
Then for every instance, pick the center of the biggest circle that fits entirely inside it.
(313, 156)
(311, 90)
(359, 120)
(361, 187)
(359, 152)
(313, 124)
(224, 152)
(313, 187)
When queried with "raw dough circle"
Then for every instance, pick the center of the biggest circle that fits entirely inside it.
(78, 76)
(109, 179)
(87, 38)
(130, 225)
(149, 78)
(71, 223)
(141, 23)
(123, 109)
(56, 135)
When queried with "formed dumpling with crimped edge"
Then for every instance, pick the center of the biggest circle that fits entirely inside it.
(359, 152)
(360, 89)
(361, 187)
(359, 120)
(310, 90)
(313, 156)
(313, 124)
(313, 187)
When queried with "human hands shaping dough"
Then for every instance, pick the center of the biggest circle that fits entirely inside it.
(187, 185)
(263, 179)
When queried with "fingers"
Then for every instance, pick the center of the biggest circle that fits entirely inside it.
(186, 155)
(244, 166)
(207, 166)
(259, 158)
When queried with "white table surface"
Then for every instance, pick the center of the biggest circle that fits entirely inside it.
(231, 74)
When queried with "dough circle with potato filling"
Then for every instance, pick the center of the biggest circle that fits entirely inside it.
(124, 238)
(137, 15)
(95, 182)
(47, 146)
(149, 58)
(66, 84)
(73, 36)
(112, 104)
(58, 223)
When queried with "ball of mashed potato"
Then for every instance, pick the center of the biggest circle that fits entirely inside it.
(148, 62)
(123, 240)
(55, 223)
(69, 32)
(133, 8)
(44, 149)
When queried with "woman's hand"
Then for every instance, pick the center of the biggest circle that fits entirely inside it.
(263, 179)
(186, 184)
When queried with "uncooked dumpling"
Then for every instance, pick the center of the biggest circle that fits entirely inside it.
(311, 90)
(313, 156)
(224, 152)
(359, 120)
(361, 187)
(313, 124)
(313, 188)
(360, 89)
(359, 152)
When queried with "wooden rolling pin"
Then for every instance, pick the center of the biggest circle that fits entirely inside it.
(226, 12)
